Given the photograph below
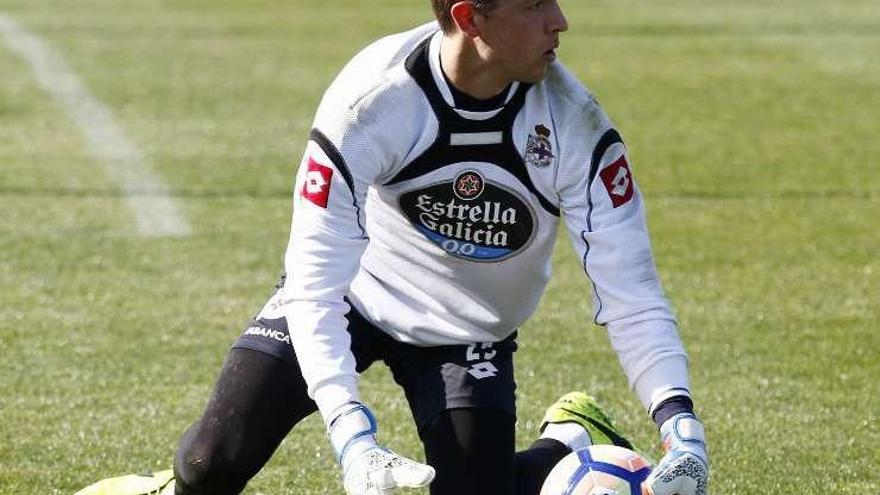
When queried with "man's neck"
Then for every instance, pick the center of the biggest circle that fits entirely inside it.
(468, 71)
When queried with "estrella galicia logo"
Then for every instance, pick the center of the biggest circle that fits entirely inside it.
(470, 217)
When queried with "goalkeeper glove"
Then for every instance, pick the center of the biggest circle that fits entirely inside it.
(369, 469)
(684, 470)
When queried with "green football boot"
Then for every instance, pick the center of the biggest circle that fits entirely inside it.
(161, 483)
(580, 408)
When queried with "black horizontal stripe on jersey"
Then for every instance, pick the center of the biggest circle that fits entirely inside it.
(610, 137)
(338, 160)
(442, 153)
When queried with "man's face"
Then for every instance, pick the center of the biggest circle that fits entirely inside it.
(520, 37)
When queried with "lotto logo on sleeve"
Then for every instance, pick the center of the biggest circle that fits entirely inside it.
(317, 184)
(618, 181)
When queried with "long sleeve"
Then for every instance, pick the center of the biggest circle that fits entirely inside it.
(348, 152)
(605, 217)
(326, 244)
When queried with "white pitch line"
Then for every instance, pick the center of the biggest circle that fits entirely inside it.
(156, 212)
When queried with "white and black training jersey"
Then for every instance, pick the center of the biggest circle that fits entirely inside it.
(438, 223)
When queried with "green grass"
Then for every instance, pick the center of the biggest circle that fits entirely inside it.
(752, 127)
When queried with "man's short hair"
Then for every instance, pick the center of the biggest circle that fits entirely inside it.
(444, 17)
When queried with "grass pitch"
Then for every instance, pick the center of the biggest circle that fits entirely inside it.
(752, 127)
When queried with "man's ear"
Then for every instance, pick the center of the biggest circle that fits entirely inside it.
(463, 14)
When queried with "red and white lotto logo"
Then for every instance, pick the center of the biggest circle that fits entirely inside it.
(618, 181)
(317, 185)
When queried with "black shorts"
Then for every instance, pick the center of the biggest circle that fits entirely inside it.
(434, 379)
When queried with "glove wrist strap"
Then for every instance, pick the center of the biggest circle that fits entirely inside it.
(683, 428)
(352, 428)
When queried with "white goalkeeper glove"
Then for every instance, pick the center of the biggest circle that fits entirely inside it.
(684, 470)
(369, 469)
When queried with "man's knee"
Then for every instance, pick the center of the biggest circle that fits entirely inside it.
(202, 466)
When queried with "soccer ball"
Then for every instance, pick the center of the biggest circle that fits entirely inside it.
(598, 470)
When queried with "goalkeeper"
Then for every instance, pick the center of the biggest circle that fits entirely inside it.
(426, 207)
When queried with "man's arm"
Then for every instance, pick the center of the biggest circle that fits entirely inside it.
(605, 217)
(327, 241)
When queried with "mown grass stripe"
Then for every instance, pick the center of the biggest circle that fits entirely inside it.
(156, 213)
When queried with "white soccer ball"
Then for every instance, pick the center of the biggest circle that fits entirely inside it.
(599, 470)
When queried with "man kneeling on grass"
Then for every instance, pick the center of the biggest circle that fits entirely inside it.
(426, 208)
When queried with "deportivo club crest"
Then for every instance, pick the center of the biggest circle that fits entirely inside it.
(468, 185)
(539, 151)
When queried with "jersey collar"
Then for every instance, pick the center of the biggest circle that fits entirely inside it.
(446, 92)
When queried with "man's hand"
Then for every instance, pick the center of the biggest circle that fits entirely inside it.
(378, 471)
(368, 468)
(684, 470)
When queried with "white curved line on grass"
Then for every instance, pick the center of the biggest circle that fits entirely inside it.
(157, 214)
